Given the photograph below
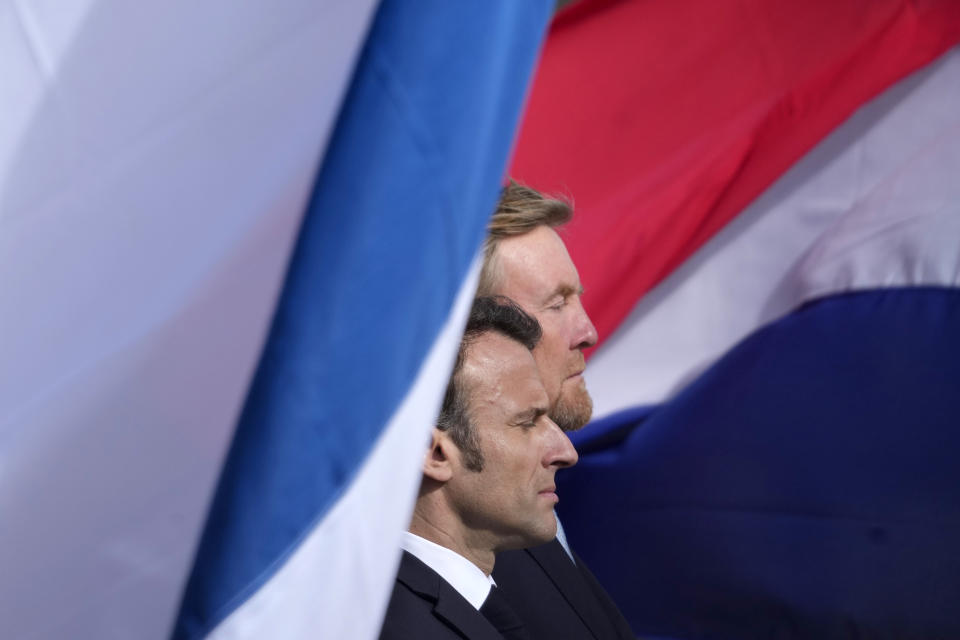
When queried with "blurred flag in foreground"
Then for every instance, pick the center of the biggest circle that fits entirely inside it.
(156, 264)
(768, 229)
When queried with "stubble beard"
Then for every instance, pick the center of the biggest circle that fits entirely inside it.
(573, 409)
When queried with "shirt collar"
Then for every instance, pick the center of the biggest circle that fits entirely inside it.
(464, 576)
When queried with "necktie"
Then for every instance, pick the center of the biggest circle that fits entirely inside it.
(498, 611)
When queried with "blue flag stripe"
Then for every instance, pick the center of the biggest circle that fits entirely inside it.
(810, 471)
(398, 211)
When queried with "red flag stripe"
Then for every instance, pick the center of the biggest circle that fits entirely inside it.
(664, 120)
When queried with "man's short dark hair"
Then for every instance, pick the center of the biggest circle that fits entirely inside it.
(489, 313)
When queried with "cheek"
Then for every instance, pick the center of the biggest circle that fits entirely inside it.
(550, 355)
(513, 457)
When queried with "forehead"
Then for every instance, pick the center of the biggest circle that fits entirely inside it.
(502, 377)
(535, 265)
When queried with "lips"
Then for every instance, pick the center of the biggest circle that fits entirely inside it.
(577, 364)
(578, 367)
(550, 493)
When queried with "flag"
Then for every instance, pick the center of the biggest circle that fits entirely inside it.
(302, 539)
(766, 230)
(156, 264)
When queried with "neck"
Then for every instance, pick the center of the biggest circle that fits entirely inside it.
(450, 533)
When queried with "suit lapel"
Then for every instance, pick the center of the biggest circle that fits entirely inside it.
(570, 582)
(461, 615)
(449, 605)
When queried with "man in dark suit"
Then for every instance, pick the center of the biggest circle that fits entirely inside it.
(487, 487)
(525, 260)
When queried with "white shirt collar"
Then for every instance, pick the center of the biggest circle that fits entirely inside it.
(463, 575)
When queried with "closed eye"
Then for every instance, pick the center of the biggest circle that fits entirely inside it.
(562, 296)
(530, 419)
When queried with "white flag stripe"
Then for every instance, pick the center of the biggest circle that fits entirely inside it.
(291, 603)
(147, 209)
(741, 279)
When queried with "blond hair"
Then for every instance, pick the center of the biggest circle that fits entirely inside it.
(519, 211)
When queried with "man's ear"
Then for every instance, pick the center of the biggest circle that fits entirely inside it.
(438, 463)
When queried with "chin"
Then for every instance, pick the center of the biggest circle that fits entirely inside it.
(546, 533)
(573, 410)
(534, 536)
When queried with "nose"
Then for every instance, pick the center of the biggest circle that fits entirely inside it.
(584, 333)
(560, 453)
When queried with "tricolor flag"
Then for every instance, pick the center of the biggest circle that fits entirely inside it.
(768, 230)
(766, 226)
(237, 245)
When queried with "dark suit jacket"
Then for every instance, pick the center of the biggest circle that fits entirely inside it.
(425, 607)
(555, 598)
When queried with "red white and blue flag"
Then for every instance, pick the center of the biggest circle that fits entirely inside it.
(237, 242)
(237, 246)
(768, 230)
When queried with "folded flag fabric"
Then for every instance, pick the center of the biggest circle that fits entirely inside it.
(200, 200)
(303, 536)
(155, 162)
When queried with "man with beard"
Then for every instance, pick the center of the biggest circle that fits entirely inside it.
(525, 260)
